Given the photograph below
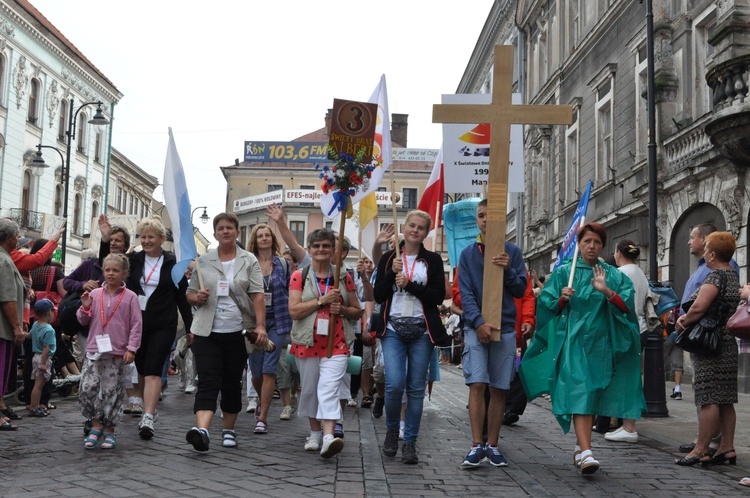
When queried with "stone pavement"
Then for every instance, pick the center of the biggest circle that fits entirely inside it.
(45, 457)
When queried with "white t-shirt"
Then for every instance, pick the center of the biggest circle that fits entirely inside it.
(640, 283)
(228, 317)
(400, 295)
(151, 271)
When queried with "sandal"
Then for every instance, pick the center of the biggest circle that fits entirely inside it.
(229, 438)
(260, 427)
(366, 402)
(7, 426)
(745, 481)
(38, 413)
(110, 441)
(10, 414)
(92, 439)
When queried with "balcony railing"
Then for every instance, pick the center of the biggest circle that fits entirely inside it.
(29, 220)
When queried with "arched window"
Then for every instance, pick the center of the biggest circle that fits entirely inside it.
(98, 147)
(77, 214)
(58, 199)
(62, 126)
(95, 209)
(33, 114)
(81, 137)
(26, 194)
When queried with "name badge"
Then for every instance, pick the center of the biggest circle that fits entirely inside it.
(268, 298)
(223, 287)
(103, 344)
(407, 305)
(322, 326)
(142, 302)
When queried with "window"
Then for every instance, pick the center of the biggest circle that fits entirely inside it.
(383, 207)
(62, 120)
(26, 194)
(33, 112)
(329, 225)
(132, 208)
(298, 229)
(574, 24)
(273, 187)
(82, 120)
(641, 103)
(243, 236)
(98, 147)
(603, 86)
(118, 201)
(77, 214)
(410, 198)
(58, 199)
(572, 155)
(703, 52)
(2, 79)
(94, 209)
(307, 187)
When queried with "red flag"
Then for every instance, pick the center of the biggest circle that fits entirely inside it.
(434, 193)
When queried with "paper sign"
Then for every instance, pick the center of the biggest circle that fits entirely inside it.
(461, 228)
(51, 225)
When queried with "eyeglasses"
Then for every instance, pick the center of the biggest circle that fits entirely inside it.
(321, 246)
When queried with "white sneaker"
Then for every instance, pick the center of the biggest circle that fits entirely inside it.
(286, 413)
(190, 389)
(251, 402)
(401, 433)
(146, 428)
(352, 403)
(313, 443)
(181, 383)
(622, 436)
(331, 447)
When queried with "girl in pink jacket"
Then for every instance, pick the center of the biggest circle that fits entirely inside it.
(114, 318)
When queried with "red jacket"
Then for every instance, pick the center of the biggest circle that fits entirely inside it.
(27, 262)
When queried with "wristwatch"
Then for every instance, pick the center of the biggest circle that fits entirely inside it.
(320, 304)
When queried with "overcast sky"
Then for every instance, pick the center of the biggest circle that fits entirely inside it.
(223, 72)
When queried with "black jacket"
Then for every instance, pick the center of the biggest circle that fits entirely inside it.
(431, 295)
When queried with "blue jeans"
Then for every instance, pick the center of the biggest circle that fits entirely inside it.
(405, 368)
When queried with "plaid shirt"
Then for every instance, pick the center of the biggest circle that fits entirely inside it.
(280, 275)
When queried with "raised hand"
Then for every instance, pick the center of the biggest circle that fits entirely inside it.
(86, 300)
(600, 280)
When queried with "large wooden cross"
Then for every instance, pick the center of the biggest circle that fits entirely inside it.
(500, 114)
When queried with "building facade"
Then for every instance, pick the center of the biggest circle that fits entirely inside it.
(592, 55)
(43, 77)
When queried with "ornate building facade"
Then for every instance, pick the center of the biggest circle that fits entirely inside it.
(591, 55)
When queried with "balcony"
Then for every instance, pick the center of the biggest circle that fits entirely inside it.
(729, 128)
(28, 220)
(688, 147)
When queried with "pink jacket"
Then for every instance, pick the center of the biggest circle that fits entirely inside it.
(124, 327)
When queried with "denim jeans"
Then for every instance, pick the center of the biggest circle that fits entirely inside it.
(405, 368)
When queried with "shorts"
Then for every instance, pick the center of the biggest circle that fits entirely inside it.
(264, 363)
(378, 372)
(156, 345)
(675, 355)
(368, 354)
(489, 363)
(283, 370)
(36, 361)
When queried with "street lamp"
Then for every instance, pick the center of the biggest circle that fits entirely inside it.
(204, 217)
(38, 162)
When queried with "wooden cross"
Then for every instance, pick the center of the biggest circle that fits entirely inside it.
(500, 114)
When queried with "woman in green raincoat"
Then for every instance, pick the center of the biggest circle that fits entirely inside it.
(586, 352)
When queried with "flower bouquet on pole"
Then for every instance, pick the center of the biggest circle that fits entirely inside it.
(350, 149)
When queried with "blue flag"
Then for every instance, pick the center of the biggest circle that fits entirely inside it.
(178, 206)
(571, 238)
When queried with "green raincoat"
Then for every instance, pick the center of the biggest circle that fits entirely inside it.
(586, 356)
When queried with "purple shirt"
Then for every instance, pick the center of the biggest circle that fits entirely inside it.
(123, 327)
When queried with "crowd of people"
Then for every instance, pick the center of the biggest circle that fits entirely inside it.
(314, 334)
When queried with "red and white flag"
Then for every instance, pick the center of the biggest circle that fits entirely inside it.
(434, 193)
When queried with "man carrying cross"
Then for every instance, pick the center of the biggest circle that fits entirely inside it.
(487, 362)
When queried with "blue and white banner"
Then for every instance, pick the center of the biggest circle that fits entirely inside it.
(571, 238)
(177, 203)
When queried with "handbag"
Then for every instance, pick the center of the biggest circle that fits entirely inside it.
(409, 328)
(702, 338)
(51, 295)
(739, 323)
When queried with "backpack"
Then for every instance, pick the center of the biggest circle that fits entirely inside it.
(660, 300)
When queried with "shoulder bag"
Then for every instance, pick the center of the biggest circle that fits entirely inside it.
(704, 337)
(739, 323)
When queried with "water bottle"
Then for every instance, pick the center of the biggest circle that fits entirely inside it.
(253, 338)
(57, 255)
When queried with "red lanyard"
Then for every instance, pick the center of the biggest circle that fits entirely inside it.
(101, 307)
(153, 268)
(409, 274)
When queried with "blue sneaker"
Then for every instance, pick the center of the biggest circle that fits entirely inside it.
(493, 455)
(474, 458)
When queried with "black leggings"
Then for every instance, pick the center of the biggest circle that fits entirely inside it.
(219, 362)
(156, 344)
